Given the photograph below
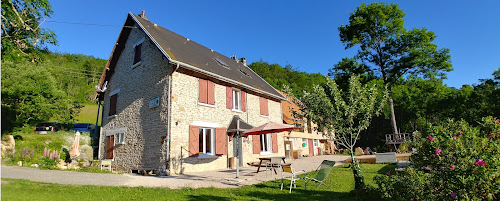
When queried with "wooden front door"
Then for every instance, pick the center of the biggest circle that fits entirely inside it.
(311, 148)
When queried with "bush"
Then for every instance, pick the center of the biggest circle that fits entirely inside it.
(453, 161)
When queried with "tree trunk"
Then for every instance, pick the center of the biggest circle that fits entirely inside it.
(393, 115)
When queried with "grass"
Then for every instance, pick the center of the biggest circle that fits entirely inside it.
(88, 114)
(342, 183)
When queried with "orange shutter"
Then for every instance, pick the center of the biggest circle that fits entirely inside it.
(275, 142)
(220, 141)
(263, 107)
(256, 144)
(243, 101)
(109, 146)
(229, 98)
(202, 91)
(194, 136)
(211, 93)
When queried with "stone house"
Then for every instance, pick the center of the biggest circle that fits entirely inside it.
(168, 101)
(306, 141)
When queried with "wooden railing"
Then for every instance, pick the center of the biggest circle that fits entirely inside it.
(397, 138)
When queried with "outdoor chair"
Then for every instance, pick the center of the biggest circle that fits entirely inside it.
(106, 164)
(321, 173)
(287, 168)
(274, 164)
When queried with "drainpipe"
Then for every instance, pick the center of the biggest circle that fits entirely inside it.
(169, 123)
(95, 129)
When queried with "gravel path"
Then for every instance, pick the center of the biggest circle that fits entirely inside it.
(219, 179)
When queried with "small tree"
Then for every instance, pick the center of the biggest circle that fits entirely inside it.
(346, 114)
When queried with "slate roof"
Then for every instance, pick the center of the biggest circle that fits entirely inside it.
(196, 57)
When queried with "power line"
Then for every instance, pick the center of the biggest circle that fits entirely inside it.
(88, 24)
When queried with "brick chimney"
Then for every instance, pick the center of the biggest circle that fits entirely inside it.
(143, 15)
(244, 61)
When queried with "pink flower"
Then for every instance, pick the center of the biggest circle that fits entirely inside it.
(431, 138)
(454, 138)
(453, 195)
(489, 135)
(452, 167)
(438, 151)
(480, 162)
(495, 120)
(388, 173)
(459, 134)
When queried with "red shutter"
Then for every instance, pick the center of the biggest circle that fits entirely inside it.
(137, 55)
(194, 136)
(220, 141)
(263, 107)
(256, 144)
(243, 101)
(202, 91)
(311, 149)
(275, 142)
(109, 146)
(112, 104)
(211, 93)
(229, 98)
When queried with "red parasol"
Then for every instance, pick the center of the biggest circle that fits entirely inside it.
(269, 128)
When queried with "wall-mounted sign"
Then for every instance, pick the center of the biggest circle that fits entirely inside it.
(154, 102)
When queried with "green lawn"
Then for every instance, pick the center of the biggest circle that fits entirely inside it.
(342, 182)
(88, 114)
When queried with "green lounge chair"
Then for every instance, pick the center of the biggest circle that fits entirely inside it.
(321, 173)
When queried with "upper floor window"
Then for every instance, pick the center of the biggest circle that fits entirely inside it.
(112, 104)
(309, 126)
(137, 53)
(206, 91)
(236, 99)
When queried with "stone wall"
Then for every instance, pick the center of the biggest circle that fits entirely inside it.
(145, 126)
(186, 110)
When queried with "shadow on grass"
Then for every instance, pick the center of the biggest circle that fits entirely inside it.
(387, 168)
(208, 198)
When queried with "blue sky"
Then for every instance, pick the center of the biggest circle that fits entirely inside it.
(303, 35)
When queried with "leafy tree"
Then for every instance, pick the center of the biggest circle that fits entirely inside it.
(22, 34)
(388, 50)
(345, 113)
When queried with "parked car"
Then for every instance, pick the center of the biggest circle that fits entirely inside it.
(45, 127)
(83, 127)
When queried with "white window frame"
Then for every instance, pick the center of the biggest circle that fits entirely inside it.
(266, 144)
(120, 137)
(304, 141)
(316, 142)
(203, 151)
(237, 102)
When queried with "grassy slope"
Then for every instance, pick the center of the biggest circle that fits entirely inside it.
(342, 183)
(88, 114)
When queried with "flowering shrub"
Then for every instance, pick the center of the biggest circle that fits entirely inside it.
(454, 161)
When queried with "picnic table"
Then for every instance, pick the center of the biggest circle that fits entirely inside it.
(268, 159)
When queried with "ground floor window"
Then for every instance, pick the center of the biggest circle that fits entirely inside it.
(207, 141)
(266, 143)
(316, 143)
(304, 142)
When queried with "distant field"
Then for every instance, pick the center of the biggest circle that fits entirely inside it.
(88, 114)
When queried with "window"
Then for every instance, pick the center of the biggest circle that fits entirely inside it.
(121, 138)
(266, 144)
(316, 143)
(206, 141)
(309, 126)
(112, 104)
(206, 92)
(137, 53)
(236, 100)
(304, 142)
(263, 107)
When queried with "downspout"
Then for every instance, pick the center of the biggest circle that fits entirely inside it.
(95, 130)
(169, 124)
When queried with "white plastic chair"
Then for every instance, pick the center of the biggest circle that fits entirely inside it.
(106, 164)
(289, 170)
(274, 164)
